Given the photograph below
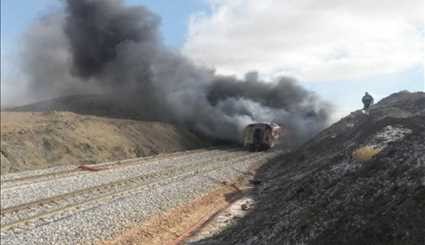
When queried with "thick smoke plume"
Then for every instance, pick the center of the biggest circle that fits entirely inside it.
(103, 46)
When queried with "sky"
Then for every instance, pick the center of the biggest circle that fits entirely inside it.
(339, 49)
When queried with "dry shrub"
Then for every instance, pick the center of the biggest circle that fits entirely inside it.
(365, 153)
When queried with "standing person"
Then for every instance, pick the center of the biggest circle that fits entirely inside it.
(367, 102)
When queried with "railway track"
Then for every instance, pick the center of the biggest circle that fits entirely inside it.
(75, 170)
(110, 166)
(40, 211)
(176, 168)
(104, 188)
(55, 187)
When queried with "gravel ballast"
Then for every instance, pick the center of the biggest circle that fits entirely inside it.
(176, 181)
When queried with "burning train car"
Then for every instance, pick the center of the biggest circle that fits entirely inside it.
(261, 136)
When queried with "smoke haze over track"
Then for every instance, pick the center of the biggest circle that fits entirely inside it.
(104, 46)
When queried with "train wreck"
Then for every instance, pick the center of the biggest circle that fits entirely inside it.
(261, 136)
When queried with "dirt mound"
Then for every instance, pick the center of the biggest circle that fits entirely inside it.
(361, 181)
(37, 140)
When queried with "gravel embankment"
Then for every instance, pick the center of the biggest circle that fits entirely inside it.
(326, 193)
(124, 196)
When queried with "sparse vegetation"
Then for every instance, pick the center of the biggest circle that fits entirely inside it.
(365, 153)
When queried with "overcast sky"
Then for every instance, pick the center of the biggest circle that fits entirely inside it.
(337, 48)
(310, 39)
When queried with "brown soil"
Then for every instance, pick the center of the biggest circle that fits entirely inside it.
(173, 226)
(178, 225)
(31, 140)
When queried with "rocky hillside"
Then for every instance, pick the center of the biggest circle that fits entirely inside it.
(361, 181)
(32, 140)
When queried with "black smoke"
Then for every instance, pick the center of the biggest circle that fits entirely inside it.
(282, 101)
(109, 48)
(96, 30)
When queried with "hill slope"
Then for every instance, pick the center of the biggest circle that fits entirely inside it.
(361, 181)
(41, 139)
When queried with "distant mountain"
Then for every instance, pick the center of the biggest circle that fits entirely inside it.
(97, 105)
